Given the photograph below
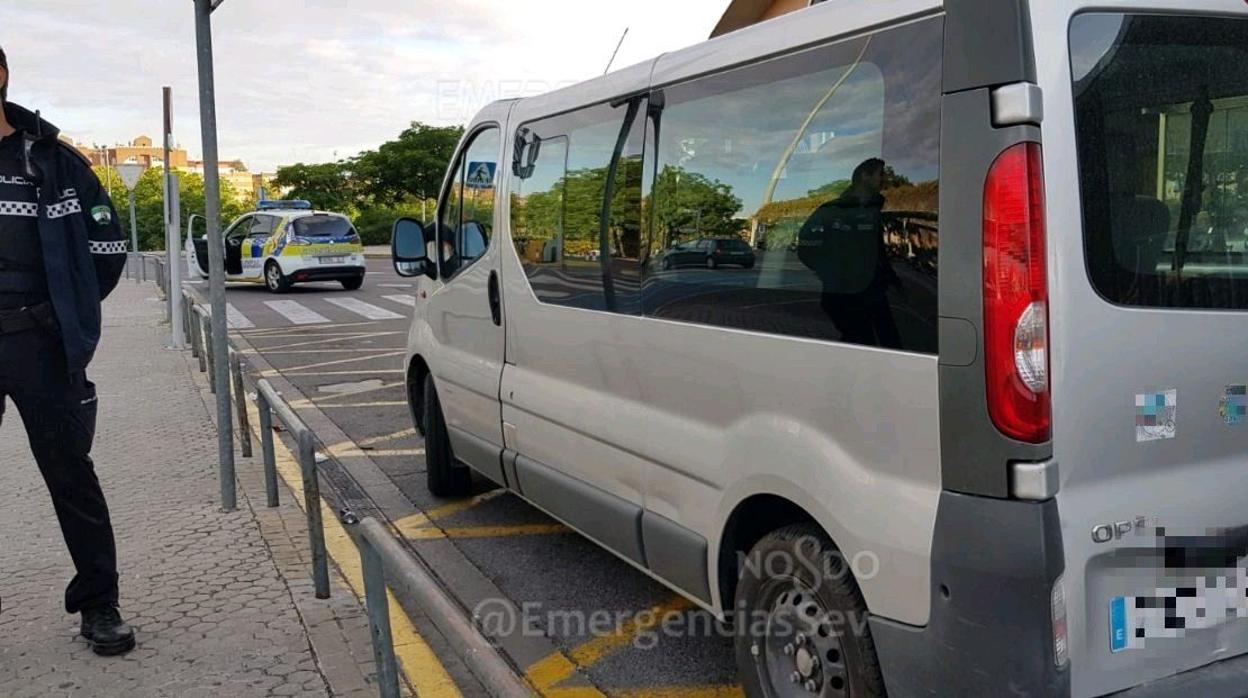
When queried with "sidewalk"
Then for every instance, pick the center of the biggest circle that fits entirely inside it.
(218, 608)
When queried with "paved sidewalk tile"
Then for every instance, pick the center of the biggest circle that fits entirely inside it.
(214, 612)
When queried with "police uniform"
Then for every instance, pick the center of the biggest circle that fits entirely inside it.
(61, 252)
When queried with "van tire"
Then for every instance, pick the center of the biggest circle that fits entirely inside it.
(443, 476)
(274, 279)
(776, 581)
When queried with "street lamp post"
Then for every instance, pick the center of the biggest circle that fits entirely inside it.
(216, 247)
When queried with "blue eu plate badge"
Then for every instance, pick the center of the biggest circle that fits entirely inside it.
(1118, 624)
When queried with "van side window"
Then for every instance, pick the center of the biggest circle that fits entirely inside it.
(467, 216)
(799, 196)
(556, 208)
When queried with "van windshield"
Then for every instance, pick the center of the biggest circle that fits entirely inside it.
(1161, 112)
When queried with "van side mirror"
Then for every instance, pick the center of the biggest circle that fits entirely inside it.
(409, 249)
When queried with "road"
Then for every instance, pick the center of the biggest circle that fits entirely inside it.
(590, 620)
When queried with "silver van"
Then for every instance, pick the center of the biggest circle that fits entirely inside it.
(965, 412)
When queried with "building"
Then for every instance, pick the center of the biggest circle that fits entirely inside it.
(140, 150)
(743, 13)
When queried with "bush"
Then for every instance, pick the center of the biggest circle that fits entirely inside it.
(375, 224)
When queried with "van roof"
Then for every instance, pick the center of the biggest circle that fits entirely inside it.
(807, 27)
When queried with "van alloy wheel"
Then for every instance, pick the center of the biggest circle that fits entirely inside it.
(801, 654)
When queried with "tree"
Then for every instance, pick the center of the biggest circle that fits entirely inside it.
(327, 186)
(149, 203)
(410, 168)
(689, 204)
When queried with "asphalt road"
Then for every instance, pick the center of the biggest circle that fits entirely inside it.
(612, 627)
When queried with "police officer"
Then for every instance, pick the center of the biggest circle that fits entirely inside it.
(62, 251)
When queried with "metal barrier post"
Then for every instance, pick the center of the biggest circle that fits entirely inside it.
(206, 322)
(378, 605)
(240, 404)
(316, 527)
(266, 448)
(198, 337)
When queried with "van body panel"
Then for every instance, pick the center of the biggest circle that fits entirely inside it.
(1104, 357)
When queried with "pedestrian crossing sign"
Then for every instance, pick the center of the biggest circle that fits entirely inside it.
(480, 175)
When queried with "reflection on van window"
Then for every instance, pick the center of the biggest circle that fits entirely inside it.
(468, 214)
(557, 203)
(799, 196)
(1164, 161)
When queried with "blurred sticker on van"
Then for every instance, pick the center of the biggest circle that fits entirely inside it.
(1233, 407)
(1155, 415)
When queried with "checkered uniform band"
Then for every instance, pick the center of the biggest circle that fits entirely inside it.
(65, 208)
(20, 209)
(110, 247)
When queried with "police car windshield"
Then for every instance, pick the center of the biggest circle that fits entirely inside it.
(323, 227)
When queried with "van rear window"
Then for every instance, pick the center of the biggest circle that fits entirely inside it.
(1161, 112)
(323, 227)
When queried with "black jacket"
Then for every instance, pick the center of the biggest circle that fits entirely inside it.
(84, 248)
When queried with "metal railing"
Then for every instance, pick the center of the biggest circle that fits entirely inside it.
(387, 562)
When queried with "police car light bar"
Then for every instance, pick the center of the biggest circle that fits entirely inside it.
(293, 204)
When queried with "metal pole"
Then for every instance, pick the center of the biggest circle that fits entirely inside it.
(211, 352)
(173, 230)
(266, 448)
(216, 246)
(379, 620)
(312, 499)
(240, 404)
(134, 233)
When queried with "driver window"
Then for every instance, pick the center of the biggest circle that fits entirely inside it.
(262, 227)
(467, 217)
(240, 229)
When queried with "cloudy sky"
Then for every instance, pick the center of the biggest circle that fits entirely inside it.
(313, 80)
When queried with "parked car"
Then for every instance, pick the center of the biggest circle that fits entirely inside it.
(711, 253)
(855, 457)
(284, 243)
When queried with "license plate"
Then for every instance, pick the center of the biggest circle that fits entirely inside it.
(333, 260)
(1170, 613)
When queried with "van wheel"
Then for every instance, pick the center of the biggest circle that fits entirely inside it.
(804, 628)
(353, 284)
(443, 476)
(274, 279)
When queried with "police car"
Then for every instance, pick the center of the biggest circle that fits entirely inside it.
(283, 243)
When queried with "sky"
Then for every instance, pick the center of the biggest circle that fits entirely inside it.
(317, 80)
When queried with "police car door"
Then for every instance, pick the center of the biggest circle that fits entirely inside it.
(258, 244)
(464, 308)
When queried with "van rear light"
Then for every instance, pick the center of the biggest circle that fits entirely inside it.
(1016, 333)
(1057, 603)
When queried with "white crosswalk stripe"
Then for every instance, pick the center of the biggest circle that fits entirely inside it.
(236, 319)
(367, 310)
(297, 313)
(409, 301)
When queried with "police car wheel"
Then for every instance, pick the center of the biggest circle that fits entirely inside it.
(274, 279)
(353, 284)
(443, 476)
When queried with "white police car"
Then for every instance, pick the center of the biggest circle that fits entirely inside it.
(283, 243)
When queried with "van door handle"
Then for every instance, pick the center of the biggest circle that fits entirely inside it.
(496, 306)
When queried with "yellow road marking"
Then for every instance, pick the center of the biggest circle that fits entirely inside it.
(320, 351)
(723, 691)
(305, 404)
(348, 449)
(488, 531)
(408, 524)
(421, 667)
(314, 334)
(312, 329)
(374, 372)
(556, 667)
(373, 441)
(335, 362)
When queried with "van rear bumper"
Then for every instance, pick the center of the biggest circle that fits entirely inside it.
(1228, 677)
(990, 631)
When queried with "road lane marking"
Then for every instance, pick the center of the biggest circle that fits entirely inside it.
(409, 301)
(297, 313)
(396, 371)
(557, 667)
(236, 319)
(320, 351)
(722, 691)
(422, 669)
(394, 285)
(314, 342)
(320, 400)
(367, 310)
(318, 330)
(306, 404)
(336, 362)
(374, 440)
(350, 450)
(408, 524)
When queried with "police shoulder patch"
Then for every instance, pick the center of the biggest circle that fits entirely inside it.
(103, 215)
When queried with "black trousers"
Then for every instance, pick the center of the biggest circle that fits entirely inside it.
(58, 409)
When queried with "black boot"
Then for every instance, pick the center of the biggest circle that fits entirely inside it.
(108, 634)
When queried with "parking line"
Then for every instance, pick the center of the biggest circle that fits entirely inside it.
(722, 691)
(414, 522)
(373, 441)
(320, 400)
(433, 533)
(368, 310)
(269, 331)
(331, 340)
(305, 404)
(297, 313)
(377, 372)
(409, 301)
(336, 362)
(236, 319)
(351, 450)
(421, 667)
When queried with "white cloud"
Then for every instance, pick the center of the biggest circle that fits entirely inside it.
(312, 80)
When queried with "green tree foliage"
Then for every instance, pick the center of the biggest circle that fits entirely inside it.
(149, 203)
(691, 205)
(327, 186)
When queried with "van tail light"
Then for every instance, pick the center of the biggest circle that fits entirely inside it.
(1016, 307)
(1057, 602)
